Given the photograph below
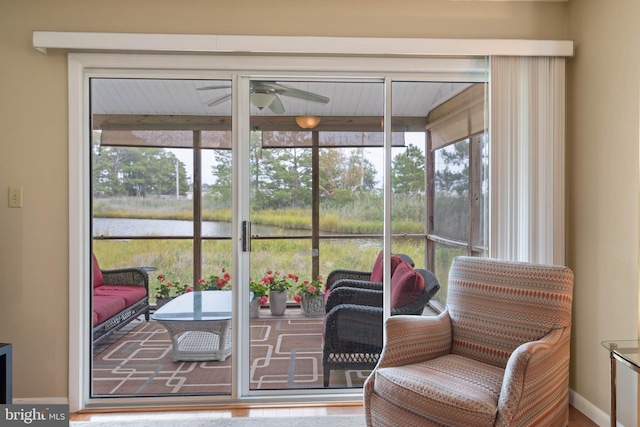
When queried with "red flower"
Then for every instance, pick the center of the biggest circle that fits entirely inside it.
(226, 276)
(263, 300)
(312, 289)
(297, 298)
(161, 277)
(189, 289)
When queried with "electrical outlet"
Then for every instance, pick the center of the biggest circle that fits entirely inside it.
(15, 197)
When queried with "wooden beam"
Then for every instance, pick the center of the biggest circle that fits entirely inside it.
(265, 123)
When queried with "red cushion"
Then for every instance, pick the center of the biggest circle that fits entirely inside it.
(95, 318)
(130, 294)
(107, 306)
(406, 285)
(377, 273)
(98, 280)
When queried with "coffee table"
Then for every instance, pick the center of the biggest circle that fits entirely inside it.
(199, 324)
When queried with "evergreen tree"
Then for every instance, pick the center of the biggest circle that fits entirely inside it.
(137, 172)
(408, 171)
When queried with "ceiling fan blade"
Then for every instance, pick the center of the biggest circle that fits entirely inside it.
(276, 106)
(219, 100)
(213, 87)
(297, 93)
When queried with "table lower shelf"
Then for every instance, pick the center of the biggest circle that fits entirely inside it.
(201, 346)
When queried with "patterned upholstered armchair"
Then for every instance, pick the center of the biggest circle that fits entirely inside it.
(354, 319)
(497, 356)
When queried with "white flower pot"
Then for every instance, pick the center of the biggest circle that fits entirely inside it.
(254, 306)
(277, 302)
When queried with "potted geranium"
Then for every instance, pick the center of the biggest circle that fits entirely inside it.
(310, 297)
(216, 282)
(259, 290)
(166, 290)
(278, 285)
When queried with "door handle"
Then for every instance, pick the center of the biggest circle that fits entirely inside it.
(246, 236)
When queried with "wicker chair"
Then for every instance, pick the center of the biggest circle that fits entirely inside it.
(354, 320)
(497, 356)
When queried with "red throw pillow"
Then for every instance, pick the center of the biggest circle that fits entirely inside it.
(98, 280)
(377, 273)
(406, 285)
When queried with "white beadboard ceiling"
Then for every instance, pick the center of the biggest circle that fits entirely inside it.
(182, 97)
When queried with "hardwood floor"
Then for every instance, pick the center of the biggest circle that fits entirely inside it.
(576, 419)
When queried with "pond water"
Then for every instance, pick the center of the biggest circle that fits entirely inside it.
(165, 227)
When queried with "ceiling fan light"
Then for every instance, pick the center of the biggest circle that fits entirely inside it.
(307, 122)
(261, 100)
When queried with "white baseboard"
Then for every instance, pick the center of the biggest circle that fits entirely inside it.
(41, 401)
(590, 410)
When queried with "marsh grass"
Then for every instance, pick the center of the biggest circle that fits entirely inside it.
(174, 258)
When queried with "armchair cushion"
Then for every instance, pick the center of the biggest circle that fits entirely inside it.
(406, 285)
(465, 392)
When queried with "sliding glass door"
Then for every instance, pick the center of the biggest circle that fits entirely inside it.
(264, 211)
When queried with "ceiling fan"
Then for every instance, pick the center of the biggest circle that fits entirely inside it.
(266, 94)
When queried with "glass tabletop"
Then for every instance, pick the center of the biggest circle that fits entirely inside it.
(197, 306)
(627, 350)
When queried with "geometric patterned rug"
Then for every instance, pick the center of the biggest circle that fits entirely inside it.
(286, 353)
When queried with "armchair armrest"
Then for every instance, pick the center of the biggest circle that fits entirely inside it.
(544, 361)
(413, 339)
(126, 276)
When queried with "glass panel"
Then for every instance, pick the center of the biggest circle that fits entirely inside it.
(157, 190)
(307, 185)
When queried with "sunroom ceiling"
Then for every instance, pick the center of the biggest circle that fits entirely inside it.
(182, 97)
